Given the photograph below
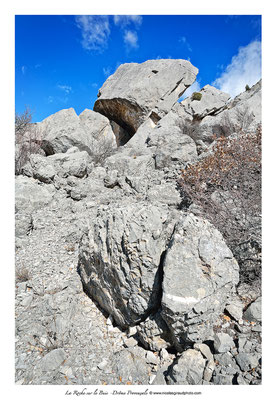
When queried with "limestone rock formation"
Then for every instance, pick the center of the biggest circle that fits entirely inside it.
(116, 282)
(153, 87)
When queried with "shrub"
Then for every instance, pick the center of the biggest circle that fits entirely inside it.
(27, 139)
(226, 187)
(102, 150)
(196, 96)
(241, 122)
(247, 87)
(22, 275)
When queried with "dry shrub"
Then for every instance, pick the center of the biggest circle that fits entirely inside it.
(22, 274)
(27, 139)
(102, 149)
(226, 187)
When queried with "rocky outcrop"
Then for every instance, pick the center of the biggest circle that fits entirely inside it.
(153, 87)
(241, 114)
(211, 101)
(72, 163)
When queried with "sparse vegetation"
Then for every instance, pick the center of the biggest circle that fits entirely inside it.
(247, 87)
(226, 187)
(22, 274)
(102, 150)
(241, 122)
(27, 139)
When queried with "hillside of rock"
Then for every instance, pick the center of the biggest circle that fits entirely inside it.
(118, 281)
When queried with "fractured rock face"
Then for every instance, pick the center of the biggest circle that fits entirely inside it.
(136, 91)
(121, 256)
(199, 274)
(212, 100)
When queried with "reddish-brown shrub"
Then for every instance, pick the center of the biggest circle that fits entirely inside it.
(226, 187)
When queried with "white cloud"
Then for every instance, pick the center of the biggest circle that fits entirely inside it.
(23, 69)
(195, 87)
(65, 88)
(131, 39)
(183, 40)
(245, 68)
(124, 20)
(107, 71)
(95, 31)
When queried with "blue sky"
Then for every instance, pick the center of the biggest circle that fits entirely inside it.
(62, 60)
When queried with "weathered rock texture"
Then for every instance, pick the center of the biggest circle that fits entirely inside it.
(65, 129)
(121, 258)
(153, 87)
(200, 272)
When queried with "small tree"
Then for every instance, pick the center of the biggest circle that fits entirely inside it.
(226, 187)
(27, 139)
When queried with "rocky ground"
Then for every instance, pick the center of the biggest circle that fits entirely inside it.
(63, 337)
(116, 281)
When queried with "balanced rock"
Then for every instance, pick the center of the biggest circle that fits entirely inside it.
(136, 91)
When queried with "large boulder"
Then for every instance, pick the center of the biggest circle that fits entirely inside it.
(120, 260)
(200, 272)
(136, 91)
(64, 129)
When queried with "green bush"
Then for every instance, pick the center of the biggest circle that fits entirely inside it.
(196, 96)
(247, 87)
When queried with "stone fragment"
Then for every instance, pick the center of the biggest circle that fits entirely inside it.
(209, 369)
(188, 370)
(204, 349)
(235, 311)
(220, 379)
(53, 359)
(254, 311)
(247, 361)
(223, 342)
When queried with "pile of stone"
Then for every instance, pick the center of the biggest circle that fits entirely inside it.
(116, 284)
